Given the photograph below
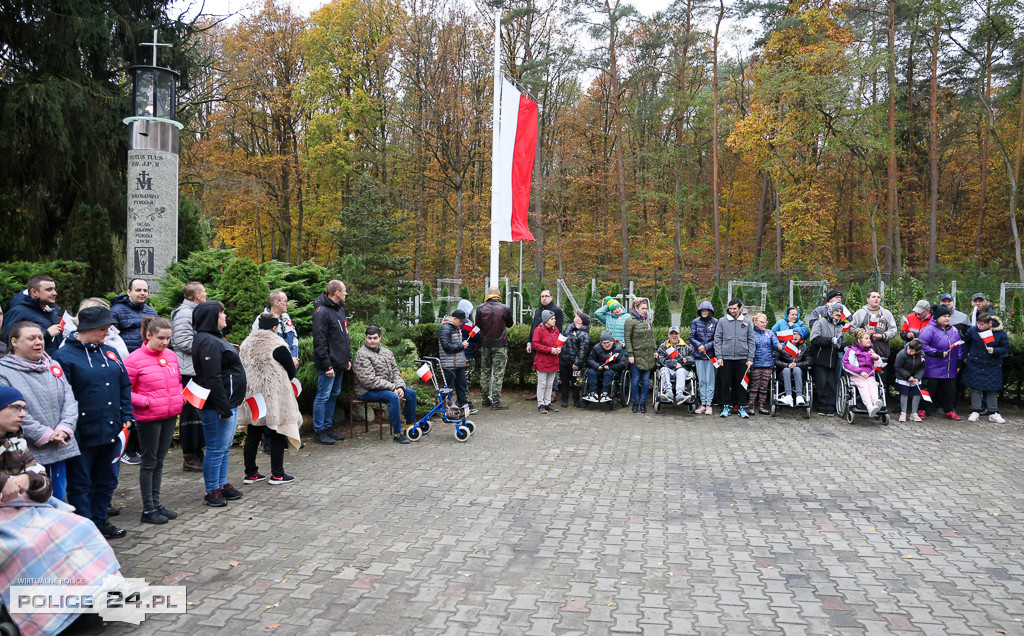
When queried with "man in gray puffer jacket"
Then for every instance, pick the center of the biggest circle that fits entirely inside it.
(453, 355)
(734, 347)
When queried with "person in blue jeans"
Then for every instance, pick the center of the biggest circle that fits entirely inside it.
(219, 370)
(378, 380)
(332, 356)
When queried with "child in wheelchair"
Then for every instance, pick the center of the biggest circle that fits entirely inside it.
(675, 359)
(860, 362)
(792, 364)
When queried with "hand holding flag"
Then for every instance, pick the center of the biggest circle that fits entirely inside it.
(672, 352)
(925, 395)
(195, 394)
(987, 336)
(561, 339)
(792, 349)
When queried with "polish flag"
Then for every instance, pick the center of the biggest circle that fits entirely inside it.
(65, 320)
(879, 365)
(745, 382)
(873, 321)
(672, 352)
(611, 358)
(122, 443)
(257, 406)
(296, 387)
(987, 336)
(195, 394)
(470, 329)
(846, 313)
(957, 344)
(513, 165)
(846, 327)
(562, 338)
(791, 349)
(425, 372)
(786, 335)
(715, 363)
(925, 395)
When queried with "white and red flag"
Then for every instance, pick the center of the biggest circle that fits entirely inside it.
(785, 335)
(611, 358)
(792, 349)
(925, 395)
(672, 352)
(122, 443)
(257, 406)
(517, 144)
(296, 387)
(987, 336)
(470, 329)
(425, 372)
(846, 327)
(715, 363)
(195, 394)
(956, 344)
(745, 382)
(562, 338)
(873, 321)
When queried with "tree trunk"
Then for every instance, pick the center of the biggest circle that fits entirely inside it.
(460, 223)
(778, 229)
(933, 155)
(891, 236)
(911, 179)
(983, 186)
(714, 148)
(762, 209)
(620, 159)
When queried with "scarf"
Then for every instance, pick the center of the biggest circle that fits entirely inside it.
(42, 364)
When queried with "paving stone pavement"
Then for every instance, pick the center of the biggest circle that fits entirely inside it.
(586, 522)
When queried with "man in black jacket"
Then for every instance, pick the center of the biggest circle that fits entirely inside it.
(332, 357)
(494, 318)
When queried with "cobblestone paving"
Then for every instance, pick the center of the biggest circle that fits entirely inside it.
(590, 522)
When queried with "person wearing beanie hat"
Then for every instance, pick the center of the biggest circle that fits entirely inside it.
(471, 334)
(822, 311)
(8, 396)
(826, 344)
(547, 304)
(546, 349)
(452, 347)
(573, 358)
(605, 361)
(917, 320)
(19, 472)
(943, 350)
(613, 316)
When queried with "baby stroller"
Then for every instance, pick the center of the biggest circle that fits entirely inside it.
(450, 412)
(777, 393)
(848, 402)
(690, 392)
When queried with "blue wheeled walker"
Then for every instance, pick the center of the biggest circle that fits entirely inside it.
(450, 412)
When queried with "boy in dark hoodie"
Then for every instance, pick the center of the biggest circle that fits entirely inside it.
(572, 361)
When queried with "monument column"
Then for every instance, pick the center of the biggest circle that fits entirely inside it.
(152, 171)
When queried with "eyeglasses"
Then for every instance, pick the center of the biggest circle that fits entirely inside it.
(17, 408)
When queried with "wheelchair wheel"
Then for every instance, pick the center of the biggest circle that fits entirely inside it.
(625, 380)
(691, 407)
(471, 426)
(843, 407)
(884, 419)
(773, 409)
(809, 389)
(657, 406)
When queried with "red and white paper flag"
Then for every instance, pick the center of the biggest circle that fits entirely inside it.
(987, 336)
(873, 321)
(879, 365)
(257, 406)
(791, 349)
(513, 166)
(611, 358)
(65, 320)
(470, 329)
(956, 344)
(715, 363)
(562, 338)
(122, 443)
(745, 382)
(785, 335)
(925, 395)
(672, 352)
(846, 313)
(296, 387)
(195, 394)
(846, 327)
(425, 372)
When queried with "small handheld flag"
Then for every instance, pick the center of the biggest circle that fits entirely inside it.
(873, 321)
(122, 443)
(791, 349)
(925, 395)
(425, 372)
(470, 329)
(65, 320)
(611, 358)
(257, 406)
(879, 365)
(195, 394)
(296, 387)
(956, 344)
(745, 382)
(672, 352)
(785, 335)
(562, 338)
(715, 363)
(987, 336)
(846, 327)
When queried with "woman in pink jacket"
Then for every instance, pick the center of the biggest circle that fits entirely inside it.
(157, 401)
(859, 360)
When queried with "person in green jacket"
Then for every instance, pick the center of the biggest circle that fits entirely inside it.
(612, 314)
(641, 348)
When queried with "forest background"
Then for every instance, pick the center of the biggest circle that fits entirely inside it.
(839, 140)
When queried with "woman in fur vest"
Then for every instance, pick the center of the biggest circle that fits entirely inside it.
(268, 370)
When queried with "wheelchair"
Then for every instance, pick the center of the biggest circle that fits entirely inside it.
(690, 394)
(621, 394)
(777, 388)
(848, 402)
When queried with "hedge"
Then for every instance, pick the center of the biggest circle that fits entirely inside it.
(71, 278)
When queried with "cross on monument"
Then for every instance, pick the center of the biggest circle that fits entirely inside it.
(154, 44)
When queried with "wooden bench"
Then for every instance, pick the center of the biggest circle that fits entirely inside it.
(378, 416)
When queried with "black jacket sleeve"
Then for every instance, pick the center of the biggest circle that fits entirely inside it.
(284, 358)
(207, 359)
(321, 333)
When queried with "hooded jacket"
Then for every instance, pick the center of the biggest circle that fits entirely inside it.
(102, 388)
(639, 340)
(128, 319)
(827, 342)
(783, 358)
(544, 340)
(268, 371)
(613, 323)
(181, 336)
(467, 327)
(331, 348)
(857, 360)
(734, 338)
(494, 318)
(799, 327)
(984, 371)
(912, 324)
(599, 357)
(217, 365)
(702, 332)
(24, 307)
(907, 366)
(934, 342)
(885, 324)
(156, 384)
(50, 402)
(577, 345)
(449, 340)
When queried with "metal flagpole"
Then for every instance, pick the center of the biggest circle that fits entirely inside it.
(520, 267)
(494, 143)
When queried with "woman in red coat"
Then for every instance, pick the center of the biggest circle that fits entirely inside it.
(546, 348)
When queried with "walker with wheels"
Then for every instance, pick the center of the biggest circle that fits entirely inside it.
(450, 412)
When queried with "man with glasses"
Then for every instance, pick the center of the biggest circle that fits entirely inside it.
(547, 303)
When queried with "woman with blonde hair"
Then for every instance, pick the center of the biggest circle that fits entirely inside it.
(642, 349)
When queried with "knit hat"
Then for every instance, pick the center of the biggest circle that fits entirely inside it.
(9, 395)
(584, 318)
(832, 294)
(267, 322)
(606, 336)
(834, 307)
(941, 310)
(612, 303)
(922, 305)
(461, 315)
(546, 315)
(673, 329)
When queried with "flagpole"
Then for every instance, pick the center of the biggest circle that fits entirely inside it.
(494, 143)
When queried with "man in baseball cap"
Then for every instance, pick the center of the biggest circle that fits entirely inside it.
(957, 319)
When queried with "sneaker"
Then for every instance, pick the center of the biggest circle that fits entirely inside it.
(914, 417)
(921, 415)
(110, 531)
(683, 399)
(875, 408)
(997, 418)
(252, 479)
(973, 417)
(280, 479)
(470, 410)
(401, 438)
(951, 416)
(485, 401)
(550, 409)
(542, 410)
(321, 437)
(699, 410)
(605, 398)
(763, 410)
(726, 410)
(590, 397)
(170, 514)
(903, 417)
(743, 413)
(498, 406)
(666, 398)
(132, 459)
(215, 498)
(708, 410)
(800, 401)
(786, 400)
(230, 493)
(153, 516)
(335, 435)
